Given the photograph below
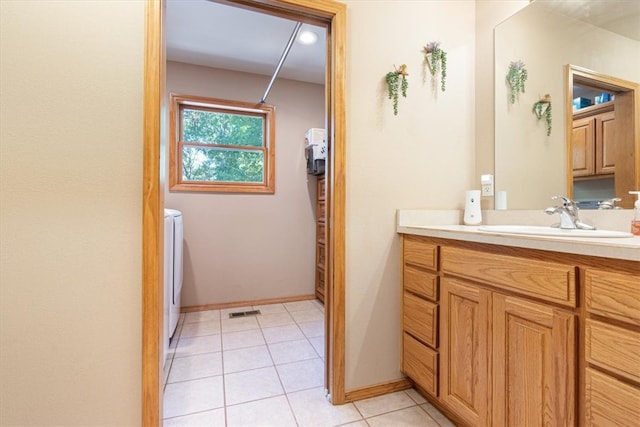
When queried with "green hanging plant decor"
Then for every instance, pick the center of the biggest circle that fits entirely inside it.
(397, 84)
(516, 76)
(542, 108)
(436, 59)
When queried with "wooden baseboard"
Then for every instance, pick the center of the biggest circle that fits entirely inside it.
(245, 303)
(377, 390)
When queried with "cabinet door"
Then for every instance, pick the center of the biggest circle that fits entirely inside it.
(464, 350)
(533, 364)
(605, 143)
(583, 147)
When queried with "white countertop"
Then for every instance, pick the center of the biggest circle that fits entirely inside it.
(446, 225)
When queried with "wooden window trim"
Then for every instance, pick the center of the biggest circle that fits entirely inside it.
(225, 106)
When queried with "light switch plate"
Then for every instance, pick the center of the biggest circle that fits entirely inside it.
(487, 184)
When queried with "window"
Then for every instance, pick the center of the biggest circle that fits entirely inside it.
(221, 146)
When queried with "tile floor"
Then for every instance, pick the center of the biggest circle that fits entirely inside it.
(268, 371)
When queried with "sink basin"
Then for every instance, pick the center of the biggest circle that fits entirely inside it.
(550, 231)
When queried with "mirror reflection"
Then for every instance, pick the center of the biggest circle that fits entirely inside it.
(601, 42)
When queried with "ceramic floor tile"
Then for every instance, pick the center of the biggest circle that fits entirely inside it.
(242, 339)
(252, 385)
(198, 329)
(193, 396)
(213, 418)
(409, 417)
(437, 415)
(299, 305)
(382, 404)
(194, 367)
(417, 397)
(270, 308)
(301, 375)
(239, 324)
(312, 409)
(272, 412)
(198, 345)
(276, 319)
(318, 345)
(282, 333)
(307, 315)
(317, 304)
(201, 316)
(312, 329)
(243, 359)
(292, 351)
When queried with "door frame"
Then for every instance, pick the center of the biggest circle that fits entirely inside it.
(333, 15)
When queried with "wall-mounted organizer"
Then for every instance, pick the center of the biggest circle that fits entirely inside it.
(315, 151)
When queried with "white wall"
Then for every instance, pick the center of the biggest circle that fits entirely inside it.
(421, 158)
(241, 247)
(70, 192)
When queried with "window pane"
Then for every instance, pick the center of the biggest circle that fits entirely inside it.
(216, 164)
(221, 128)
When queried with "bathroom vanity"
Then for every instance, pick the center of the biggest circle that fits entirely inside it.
(522, 330)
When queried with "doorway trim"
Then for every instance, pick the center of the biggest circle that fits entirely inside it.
(332, 14)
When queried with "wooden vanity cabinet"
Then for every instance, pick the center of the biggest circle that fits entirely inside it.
(506, 340)
(612, 348)
(420, 296)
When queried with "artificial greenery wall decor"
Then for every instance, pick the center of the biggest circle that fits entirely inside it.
(516, 76)
(397, 80)
(436, 59)
(542, 108)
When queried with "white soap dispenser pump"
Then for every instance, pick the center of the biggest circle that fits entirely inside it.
(635, 222)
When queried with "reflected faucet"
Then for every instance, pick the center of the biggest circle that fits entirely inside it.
(609, 203)
(569, 218)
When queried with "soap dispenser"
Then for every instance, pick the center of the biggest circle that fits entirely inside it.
(635, 222)
(472, 212)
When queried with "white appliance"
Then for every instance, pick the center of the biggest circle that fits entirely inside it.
(174, 284)
(168, 275)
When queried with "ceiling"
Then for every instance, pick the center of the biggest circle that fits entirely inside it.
(206, 33)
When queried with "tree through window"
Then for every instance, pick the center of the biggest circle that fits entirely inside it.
(221, 146)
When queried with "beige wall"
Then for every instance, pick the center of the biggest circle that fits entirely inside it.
(247, 247)
(530, 165)
(70, 197)
(421, 158)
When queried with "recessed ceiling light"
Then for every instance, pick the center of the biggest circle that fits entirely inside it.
(307, 37)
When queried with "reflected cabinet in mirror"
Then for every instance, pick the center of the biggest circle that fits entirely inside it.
(586, 57)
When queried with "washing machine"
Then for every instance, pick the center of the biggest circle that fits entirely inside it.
(174, 286)
(168, 276)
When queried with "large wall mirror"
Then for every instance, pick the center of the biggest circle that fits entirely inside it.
(571, 49)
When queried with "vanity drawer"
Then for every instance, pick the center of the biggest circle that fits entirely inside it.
(614, 295)
(420, 363)
(321, 188)
(610, 402)
(613, 348)
(420, 319)
(419, 252)
(550, 281)
(421, 282)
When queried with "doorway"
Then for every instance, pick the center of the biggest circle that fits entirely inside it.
(602, 137)
(321, 12)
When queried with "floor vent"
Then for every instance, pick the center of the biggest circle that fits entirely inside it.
(244, 314)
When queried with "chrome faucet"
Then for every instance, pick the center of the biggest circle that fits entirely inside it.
(569, 218)
(609, 203)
